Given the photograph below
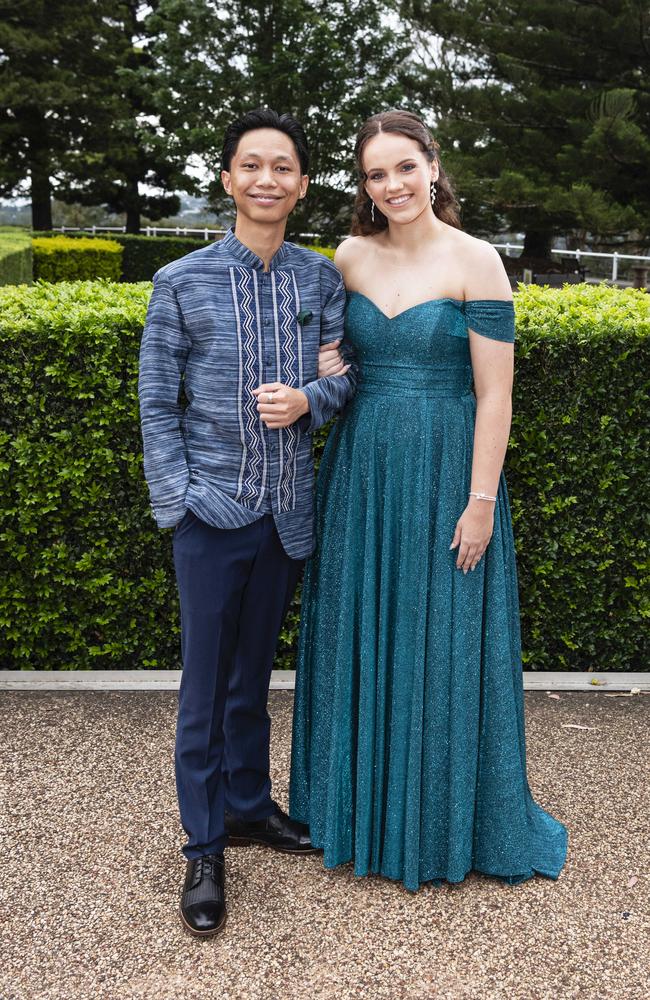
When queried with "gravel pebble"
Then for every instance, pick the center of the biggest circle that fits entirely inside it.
(91, 874)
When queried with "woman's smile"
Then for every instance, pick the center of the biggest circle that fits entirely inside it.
(399, 199)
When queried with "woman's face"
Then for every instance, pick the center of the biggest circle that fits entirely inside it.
(398, 176)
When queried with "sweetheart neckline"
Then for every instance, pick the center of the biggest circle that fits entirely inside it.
(426, 302)
(446, 298)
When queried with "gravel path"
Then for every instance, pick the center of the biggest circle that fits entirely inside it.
(91, 874)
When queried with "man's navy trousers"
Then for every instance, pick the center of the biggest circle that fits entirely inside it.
(235, 585)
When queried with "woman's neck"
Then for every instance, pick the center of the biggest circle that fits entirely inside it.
(408, 240)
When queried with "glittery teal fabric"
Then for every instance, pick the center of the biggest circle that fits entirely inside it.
(408, 744)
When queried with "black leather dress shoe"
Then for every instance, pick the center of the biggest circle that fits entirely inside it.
(277, 830)
(203, 903)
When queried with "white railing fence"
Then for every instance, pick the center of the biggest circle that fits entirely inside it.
(579, 254)
(206, 233)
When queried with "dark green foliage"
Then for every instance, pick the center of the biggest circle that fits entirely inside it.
(60, 258)
(87, 577)
(136, 168)
(79, 99)
(58, 83)
(15, 257)
(577, 469)
(329, 64)
(542, 110)
(143, 255)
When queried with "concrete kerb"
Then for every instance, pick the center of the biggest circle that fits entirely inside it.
(169, 680)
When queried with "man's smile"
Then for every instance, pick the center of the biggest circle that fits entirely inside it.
(265, 199)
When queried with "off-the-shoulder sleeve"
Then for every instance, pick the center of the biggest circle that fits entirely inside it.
(493, 318)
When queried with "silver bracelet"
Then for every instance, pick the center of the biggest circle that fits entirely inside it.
(481, 496)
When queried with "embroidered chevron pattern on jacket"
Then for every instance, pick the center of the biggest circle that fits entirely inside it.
(288, 340)
(254, 459)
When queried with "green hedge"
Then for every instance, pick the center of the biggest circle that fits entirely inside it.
(60, 258)
(15, 256)
(143, 255)
(577, 468)
(87, 577)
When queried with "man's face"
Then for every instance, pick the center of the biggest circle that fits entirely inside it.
(265, 179)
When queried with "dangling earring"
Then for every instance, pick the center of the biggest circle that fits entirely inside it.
(433, 193)
(372, 210)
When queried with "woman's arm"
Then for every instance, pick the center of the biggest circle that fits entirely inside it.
(492, 366)
(330, 359)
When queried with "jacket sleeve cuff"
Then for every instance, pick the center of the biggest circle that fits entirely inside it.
(168, 516)
(311, 421)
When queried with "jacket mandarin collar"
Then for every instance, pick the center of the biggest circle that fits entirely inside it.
(233, 246)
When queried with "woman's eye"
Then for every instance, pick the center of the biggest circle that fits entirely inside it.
(408, 166)
(375, 177)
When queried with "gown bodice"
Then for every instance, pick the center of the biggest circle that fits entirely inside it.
(424, 348)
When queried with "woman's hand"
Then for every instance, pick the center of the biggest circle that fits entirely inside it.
(330, 361)
(280, 405)
(473, 533)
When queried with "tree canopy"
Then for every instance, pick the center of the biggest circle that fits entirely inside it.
(329, 64)
(55, 57)
(543, 111)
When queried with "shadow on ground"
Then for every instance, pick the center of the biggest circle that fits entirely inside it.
(91, 872)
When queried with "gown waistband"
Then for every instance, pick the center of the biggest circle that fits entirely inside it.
(411, 380)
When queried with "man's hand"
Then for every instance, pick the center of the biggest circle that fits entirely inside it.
(279, 405)
(330, 361)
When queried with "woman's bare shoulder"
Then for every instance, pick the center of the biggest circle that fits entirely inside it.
(351, 254)
(484, 273)
(349, 250)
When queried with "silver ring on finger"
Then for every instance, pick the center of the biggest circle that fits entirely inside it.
(269, 397)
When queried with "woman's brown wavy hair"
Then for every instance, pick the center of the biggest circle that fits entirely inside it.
(403, 123)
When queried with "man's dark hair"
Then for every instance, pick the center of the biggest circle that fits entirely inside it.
(265, 118)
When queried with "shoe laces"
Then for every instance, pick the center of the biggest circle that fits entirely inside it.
(208, 866)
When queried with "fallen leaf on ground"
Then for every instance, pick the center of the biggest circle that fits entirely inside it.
(624, 694)
(632, 881)
(597, 682)
(556, 696)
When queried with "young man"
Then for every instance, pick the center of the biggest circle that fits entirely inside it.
(240, 323)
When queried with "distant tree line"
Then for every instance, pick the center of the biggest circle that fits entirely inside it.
(542, 109)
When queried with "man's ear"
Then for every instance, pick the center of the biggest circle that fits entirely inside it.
(225, 180)
(304, 184)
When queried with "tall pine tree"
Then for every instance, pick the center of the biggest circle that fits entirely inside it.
(79, 114)
(55, 58)
(331, 65)
(135, 166)
(544, 111)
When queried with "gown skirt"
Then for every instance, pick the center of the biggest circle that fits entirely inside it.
(408, 753)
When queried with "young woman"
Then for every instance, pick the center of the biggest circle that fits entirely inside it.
(408, 742)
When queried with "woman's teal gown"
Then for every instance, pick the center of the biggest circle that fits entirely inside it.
(408, 742)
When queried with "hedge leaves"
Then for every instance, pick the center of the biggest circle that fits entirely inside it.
(87, 577)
